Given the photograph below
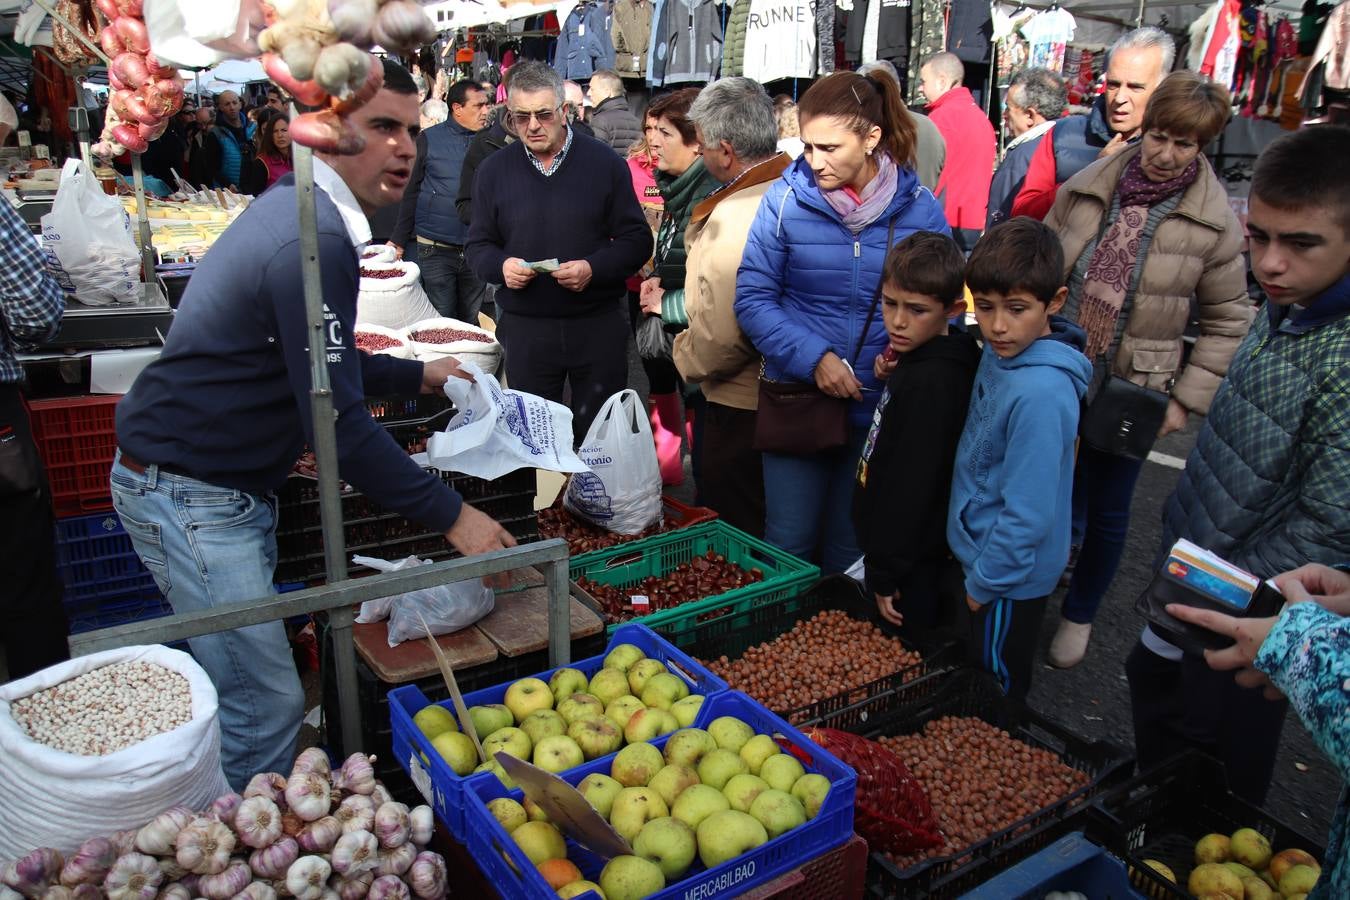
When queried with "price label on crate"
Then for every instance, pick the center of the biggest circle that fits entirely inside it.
(639, 601)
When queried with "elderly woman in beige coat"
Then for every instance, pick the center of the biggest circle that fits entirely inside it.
(1145, 231)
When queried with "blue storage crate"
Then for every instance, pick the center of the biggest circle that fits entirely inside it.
(1072, 863)
(444, 789)
(105, 582)
(514, 876)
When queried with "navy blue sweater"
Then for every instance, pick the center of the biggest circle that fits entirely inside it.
(585, 210)
(228, 399)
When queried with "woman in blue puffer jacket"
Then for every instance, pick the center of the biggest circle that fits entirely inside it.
(808, 280)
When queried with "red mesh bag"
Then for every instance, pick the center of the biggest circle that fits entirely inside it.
(892, 810)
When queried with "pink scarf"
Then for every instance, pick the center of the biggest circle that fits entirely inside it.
(875, 199)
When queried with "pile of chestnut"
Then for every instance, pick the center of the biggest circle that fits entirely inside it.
(703, 576)
(582, 536)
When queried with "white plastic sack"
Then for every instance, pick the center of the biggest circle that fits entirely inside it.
(49, 798)
(486, 355)
(178, 29)
(621, 489)
(393, 302)
(90, 233)
(379, 253)
(402, 351)
(496, 431)
(446, 608)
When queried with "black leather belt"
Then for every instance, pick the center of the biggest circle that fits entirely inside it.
(135, 465)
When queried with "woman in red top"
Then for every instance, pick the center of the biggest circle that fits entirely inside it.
(274, 154)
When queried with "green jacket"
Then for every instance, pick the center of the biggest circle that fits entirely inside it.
(733, 42)
(681, 195)
(1265, 486)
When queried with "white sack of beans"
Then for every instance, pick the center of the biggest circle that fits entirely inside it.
(380, 340)
(434, 338)
(391, 295)
(53, 798)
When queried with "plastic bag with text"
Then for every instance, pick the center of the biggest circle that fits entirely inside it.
(90, 234)
(496, 431)
(621, 491)
(446, 608)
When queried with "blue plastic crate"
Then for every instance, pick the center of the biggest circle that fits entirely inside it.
(119, 612)
(514, 876)
(1072, 863)
(443, 789)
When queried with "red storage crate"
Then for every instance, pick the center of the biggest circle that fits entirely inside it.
(77, 437)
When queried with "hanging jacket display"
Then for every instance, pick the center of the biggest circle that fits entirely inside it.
(686, 42)
(927, 35)
(825, 44)
(892, 32)
(631, 32)
(584, 43)
(1333, 49)
(780, 40)
(733, 47)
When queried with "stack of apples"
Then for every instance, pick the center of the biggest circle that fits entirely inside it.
(712, 794)
(1244, 866)
(561, 723)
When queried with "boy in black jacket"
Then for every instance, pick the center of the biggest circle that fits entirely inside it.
(905, 474)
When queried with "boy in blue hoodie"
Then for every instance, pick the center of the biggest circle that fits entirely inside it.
(1008, 523)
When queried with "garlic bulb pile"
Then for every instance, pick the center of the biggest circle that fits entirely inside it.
(316, 51)
(319, 833)
(145, 94)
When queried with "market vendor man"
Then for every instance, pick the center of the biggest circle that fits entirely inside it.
(213, 427)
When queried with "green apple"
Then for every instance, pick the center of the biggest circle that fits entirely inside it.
(741, 790)
(669, 843)
(534, 811)
(597, 736)
(635, 807)
(609, 685)
(526, 696)
(672, 780)
(621, 709)
(457, 750)
(580, 706)
(636, 764)
(577, 888)
(487, 719)
(540, 841)
(758, 749)
(508, 812)
(623, 657)
(433, 720)
(558, 754)
(663, 690)
(543, 723)
(686, 710)
(508, 740)
(496, 769)
(778, 811)
(697, 802)
(643, 725)
(566, 682)
(781, 771)
(600, 790)
(811, 789)
(631, 877)
(717, 768)
(726, 835)
(641, 673)
(730, 733)
(688, 746)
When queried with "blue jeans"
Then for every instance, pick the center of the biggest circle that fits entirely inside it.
(1103, 486)
(207, 546)
(808, 504)
(450, 285)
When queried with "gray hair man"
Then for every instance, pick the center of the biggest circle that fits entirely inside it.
(1137, 63)
(1035, 100)
(612, 120)
(556, 222)
(434, 112)
(930, 149)
(738, 138)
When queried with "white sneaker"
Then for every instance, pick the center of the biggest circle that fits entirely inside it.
(1070, 644)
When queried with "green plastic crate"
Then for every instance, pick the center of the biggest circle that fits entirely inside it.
(785, 576)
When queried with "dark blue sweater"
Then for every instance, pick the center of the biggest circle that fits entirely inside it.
(585, 210)
(228, 399)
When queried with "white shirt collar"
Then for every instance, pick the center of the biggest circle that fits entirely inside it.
(330, 182)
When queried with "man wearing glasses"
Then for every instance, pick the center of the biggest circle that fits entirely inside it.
(556, 222)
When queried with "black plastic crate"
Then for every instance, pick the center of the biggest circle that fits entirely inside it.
(414, 408)
(849, 711)
(971, 692)
(1160, 814)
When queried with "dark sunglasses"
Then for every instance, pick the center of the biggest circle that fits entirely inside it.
(544, 116)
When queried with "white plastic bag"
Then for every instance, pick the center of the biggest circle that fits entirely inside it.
(622, 489)
(394, 302)
(50, 798)
(90, 234)
(446, 608)
(486, 355)
(496, 431)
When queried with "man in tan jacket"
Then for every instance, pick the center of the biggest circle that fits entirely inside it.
(738, 139)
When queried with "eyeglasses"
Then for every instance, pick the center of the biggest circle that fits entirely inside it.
(544, 116)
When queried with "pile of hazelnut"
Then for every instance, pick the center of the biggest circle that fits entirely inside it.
(828, 654)
(979, 780)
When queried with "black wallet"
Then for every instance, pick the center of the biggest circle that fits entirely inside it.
(1166, 588)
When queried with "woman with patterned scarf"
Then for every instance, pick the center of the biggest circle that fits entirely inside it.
(1145, 231)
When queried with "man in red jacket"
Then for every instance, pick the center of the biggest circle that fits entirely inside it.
(963, 188)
